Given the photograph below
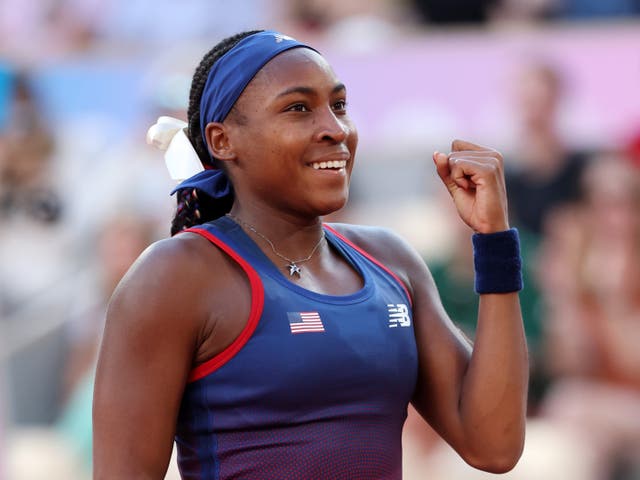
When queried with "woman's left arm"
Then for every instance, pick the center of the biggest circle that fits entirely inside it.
(473, 395)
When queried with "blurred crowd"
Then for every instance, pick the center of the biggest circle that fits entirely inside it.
(81, 196)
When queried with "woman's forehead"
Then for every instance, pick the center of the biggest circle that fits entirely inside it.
(294, 67)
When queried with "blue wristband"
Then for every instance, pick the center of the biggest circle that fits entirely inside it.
(496, 257)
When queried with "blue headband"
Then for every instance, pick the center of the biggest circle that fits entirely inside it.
(226, 81)
(231, 74)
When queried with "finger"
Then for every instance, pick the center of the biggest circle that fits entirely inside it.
(475, 153)
(460, 145)
(441, 161)
(490, 159)
(461, 174)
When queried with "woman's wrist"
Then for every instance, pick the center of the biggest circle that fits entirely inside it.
(497, 262)
(495, 227)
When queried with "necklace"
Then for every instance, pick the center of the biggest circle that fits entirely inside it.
(292, 265)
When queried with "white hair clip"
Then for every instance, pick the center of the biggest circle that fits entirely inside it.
(168, 134)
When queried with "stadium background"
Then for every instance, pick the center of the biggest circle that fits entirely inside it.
(81, 193)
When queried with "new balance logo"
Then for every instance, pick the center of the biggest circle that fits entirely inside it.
(280, 37)
(398, 315)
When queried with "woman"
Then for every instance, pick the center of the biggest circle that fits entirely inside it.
(273, 346)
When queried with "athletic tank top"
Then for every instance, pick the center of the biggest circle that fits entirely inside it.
(315, 387)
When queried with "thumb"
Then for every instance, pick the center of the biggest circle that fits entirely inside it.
(441, 161)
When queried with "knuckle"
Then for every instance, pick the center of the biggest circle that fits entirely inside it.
(490, 165)
(495, 162)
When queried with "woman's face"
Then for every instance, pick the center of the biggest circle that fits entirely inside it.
(293, 141)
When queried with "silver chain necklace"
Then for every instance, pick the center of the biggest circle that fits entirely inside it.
(292, 265)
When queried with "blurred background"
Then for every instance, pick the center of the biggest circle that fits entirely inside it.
(553, 84)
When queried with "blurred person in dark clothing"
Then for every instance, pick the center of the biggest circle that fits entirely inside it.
(547, 171)
(453, 11)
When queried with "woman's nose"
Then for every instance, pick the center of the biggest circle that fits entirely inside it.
(332, 127)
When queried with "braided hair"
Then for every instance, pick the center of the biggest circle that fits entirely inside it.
(194, 208)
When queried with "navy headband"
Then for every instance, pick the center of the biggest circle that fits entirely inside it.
(232, 72)
(226, 81)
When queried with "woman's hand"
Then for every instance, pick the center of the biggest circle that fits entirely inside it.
(474, 176)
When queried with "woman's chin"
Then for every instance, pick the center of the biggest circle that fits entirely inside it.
(329, 207)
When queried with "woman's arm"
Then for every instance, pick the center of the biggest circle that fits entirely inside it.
(153, 327)
(474, 395)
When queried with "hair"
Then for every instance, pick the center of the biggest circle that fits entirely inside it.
(194, 208)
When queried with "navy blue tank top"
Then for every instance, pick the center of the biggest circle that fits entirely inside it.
(315, 387)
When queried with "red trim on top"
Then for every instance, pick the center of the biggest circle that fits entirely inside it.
(372, 258)
(257, 304)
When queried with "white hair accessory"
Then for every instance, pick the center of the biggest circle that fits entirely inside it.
(168, 134)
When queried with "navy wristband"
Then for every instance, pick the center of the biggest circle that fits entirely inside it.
(496, 257)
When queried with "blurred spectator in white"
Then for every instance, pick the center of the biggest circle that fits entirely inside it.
(590, 270)
(544, 171)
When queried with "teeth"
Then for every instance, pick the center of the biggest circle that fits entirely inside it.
(329, 164)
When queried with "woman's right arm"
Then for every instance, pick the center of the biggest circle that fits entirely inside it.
(154, 323)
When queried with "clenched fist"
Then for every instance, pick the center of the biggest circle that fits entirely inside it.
(474, 176)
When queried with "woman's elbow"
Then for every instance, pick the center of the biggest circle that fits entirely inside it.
(498, 460)
(495, 465)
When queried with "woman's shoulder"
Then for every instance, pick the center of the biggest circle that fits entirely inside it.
(181, 255)
(386, 246)
(375, 240)
(178, 269)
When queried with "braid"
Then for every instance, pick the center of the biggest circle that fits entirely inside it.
(193, 209)
(197, 86)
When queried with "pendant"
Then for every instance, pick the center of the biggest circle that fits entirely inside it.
(293, 269)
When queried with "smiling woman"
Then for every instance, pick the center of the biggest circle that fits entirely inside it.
(289, 348)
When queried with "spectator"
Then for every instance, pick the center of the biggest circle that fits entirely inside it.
(33, 254)
(453, 11)
(547, 171)
(590, 270)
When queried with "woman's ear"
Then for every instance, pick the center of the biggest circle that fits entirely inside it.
(218, 142)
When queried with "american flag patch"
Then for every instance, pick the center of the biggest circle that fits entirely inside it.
(305, 322)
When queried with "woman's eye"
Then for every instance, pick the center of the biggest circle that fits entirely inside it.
(298, 107)
(340, 106)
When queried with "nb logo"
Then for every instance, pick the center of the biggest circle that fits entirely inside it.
(279, 37)
(398, 315)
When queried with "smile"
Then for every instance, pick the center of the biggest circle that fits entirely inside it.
(332, 164)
